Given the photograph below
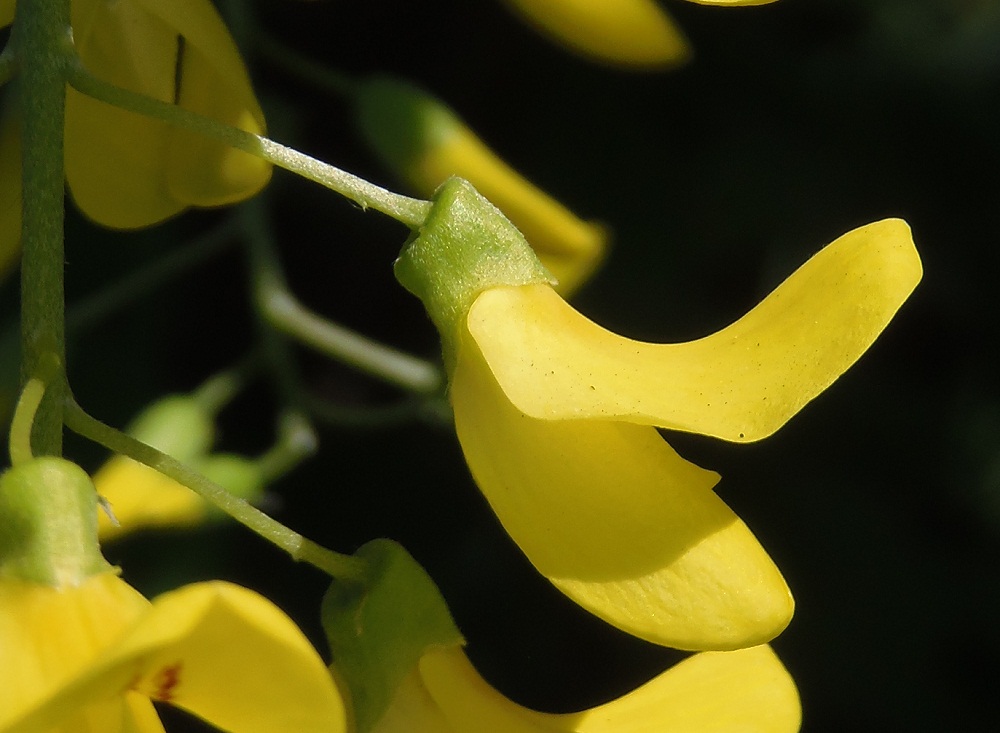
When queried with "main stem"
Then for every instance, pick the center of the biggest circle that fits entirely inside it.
(41, 35)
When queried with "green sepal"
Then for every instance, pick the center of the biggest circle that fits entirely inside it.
(178, 425)
(400, 121)
(465, 246)
(48, 523)
(378, 629)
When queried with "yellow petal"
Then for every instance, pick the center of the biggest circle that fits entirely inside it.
(714, 692)
(143, 497)
(6, 12)
(618, 521)
(10, 191)
(220, 651)
(51, 635)
(739, 384)
(570, 248)
(635, 33)
(413, 710)
(214, 83)
(748, 690)
(126, 170)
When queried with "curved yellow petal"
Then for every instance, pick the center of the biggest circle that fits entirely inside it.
(50, 635)
(739, 384)
(748, 690)
(7, 12)
(140, 496)
(126, 170)
(635, 33)
(714, 692)
(618, 521)
(213, 82)
(10, 192)
(221, 651)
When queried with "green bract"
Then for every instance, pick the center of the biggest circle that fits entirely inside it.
(379, 630)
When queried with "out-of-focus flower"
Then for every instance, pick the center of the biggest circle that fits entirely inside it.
(126, 170)
(557, 417)
(424, 142)
(141, 497)
(84, 652)
(631, 33)
(746, 691)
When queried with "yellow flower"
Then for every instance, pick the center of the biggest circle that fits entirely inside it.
(633, 33)
(126, 170)
(424, 142)
(85, 653)
(557, 418)
(91, 658)
(746, 691)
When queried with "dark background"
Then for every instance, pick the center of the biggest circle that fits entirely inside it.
(794, 123)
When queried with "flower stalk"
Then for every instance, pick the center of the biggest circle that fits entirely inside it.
(43, 46)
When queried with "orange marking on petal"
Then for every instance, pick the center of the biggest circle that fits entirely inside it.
(166, 682)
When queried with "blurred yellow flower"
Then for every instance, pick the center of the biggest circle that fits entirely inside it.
(91, 658)
(630, 33)
(424, 142)
(557, 418)
(125, 170)
(746, 691)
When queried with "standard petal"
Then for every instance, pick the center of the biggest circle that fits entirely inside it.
(635, 33)
(618, 521)
(220, 651)
(413, 710)
(51, 635)
(739, 384)
(714, 692)
(212, 81)
(116, 160)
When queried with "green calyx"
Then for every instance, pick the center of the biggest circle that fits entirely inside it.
(465, 246)
(378, 629)
(400, 121)
(48, 523)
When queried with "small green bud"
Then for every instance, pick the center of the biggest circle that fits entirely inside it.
(48, 523)
(178, 425)
(465, 246)
(379, 629)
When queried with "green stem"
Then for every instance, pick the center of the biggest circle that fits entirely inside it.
(43, 42)
(221, 388)
(24, 416)
(296, 442)
(283, 311)
(409, 211)
(341, 567)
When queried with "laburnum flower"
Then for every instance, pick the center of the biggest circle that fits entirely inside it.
(557, 417)
(632, 33)
(405, 671)
(424, 142)
(745, 691)
(85, 653)
(126, 170)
